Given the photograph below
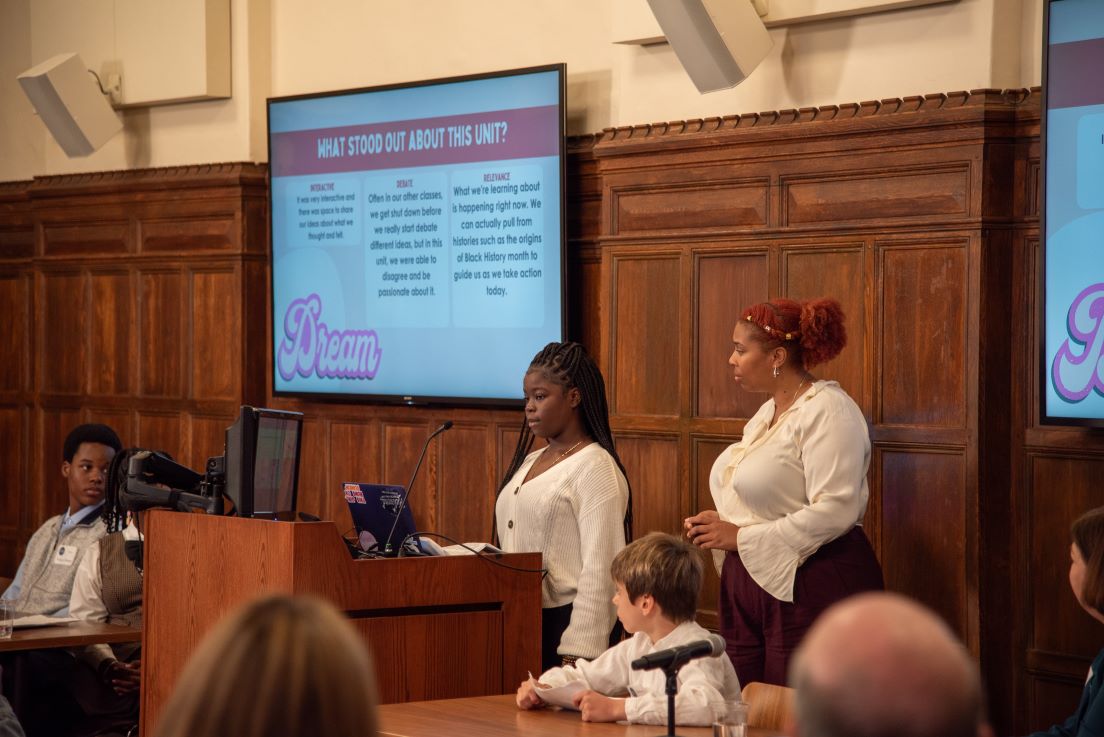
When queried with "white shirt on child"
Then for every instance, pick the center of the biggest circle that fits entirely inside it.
(704, 684)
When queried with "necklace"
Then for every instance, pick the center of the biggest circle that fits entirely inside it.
(797, 390)
(565, 454)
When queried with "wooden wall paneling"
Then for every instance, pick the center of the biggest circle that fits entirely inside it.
(215, 363)
(354, 455)
(924, 524)
(119, 420)
(922, 327)
(1062, 487)
(49, 494)
(703, 453)
(62, 349)
(1052, 702)
(584, 303)
(317, 495)
(15, 339)
(207, 439)
(652, 465)
(874, 195)
(193, 228)
(467, 485)
(402, 443)
(88, 237)
(169, 431)
(13, 459)
(650, 207)
(645, 353)
(112, 345)
(812, 271)
(724, 283)
(163, 333)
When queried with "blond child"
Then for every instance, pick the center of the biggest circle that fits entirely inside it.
(658, 578)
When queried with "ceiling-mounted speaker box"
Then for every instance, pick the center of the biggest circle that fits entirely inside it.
(68, 100)
(718, 42)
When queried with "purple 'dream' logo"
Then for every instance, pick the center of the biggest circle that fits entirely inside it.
(1076, 374)
(309, 347)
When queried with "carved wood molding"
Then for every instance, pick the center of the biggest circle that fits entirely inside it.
(1015, 104)
(194, 176)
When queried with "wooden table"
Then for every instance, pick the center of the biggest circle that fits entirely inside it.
(74, 634)
(498, 716)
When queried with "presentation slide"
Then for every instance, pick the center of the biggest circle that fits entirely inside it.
(416, 237)
(1074, 319)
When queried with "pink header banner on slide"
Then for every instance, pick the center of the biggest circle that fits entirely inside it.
(1073, 74)
(491, 136)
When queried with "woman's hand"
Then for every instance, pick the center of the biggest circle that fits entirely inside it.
(709, 531)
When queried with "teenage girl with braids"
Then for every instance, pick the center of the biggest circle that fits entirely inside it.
(791, 494)
(569, 501)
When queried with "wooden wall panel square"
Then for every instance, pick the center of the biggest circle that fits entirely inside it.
(1062, 488)
(49, 492)
(652, 464)
(869, 196)
(15, 338)
(215, 361)
(63, 356)
(646, 319)
(188, 235)
(925, 522)
(402, 443)
(13, 459)
(690, 206)
(113, 339)
(837, 272)
(725, 283)
(319, 479)
(704, 453)
(920, 339)
(467, 484)
(163, 363)
(86, 239)
(168, 431)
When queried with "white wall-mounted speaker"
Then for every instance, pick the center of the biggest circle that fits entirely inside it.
(70, 103)
(718, 42)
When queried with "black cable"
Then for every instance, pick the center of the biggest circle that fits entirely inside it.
(489, 557)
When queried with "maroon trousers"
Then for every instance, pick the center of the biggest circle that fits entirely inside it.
(762, 632)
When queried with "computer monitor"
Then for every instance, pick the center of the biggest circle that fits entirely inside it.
(262, 462)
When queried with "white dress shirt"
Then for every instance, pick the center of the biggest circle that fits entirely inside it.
(705, 684)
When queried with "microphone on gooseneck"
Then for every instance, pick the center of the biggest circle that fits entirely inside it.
(446, 425)
(676, 657)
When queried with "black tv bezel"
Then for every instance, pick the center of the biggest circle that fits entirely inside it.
(419, 399)
(1044, 370)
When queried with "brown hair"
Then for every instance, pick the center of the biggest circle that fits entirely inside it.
(666, 568)
(1087, 532)
(281, 665)
(812, 331)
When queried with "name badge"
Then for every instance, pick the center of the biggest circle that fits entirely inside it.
(66, 555)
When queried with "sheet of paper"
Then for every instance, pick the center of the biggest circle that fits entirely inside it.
(474, 548)
(558, 695)
(40, 620)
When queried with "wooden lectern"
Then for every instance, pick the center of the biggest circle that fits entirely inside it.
(439, 627)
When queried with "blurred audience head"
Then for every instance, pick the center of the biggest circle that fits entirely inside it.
(280, 666)
(881, 665)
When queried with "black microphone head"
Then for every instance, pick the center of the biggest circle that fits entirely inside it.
(446, 425)
(718, 645)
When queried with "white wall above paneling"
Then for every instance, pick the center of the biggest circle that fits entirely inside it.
(633, 22)
(172, 50)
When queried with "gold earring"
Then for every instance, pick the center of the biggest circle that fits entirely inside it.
(776, 372)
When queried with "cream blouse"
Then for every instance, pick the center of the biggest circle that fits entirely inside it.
(573, 514)
(795, 486)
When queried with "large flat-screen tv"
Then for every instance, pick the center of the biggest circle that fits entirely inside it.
(417, 237)
(1072, 362)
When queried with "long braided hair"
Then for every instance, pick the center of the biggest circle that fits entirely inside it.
(570, 366)
(114, 511)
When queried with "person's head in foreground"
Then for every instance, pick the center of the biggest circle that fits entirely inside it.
(1087, 562)
(880, 665)
(280, 666)
(658, 579)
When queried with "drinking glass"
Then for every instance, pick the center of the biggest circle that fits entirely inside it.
(730, 719)
(7, 614)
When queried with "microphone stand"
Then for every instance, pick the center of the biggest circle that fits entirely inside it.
(446, 425)
(671, 671)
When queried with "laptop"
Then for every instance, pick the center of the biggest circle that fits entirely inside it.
(374, 508)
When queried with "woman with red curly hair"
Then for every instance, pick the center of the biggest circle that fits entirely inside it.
(791, 494)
